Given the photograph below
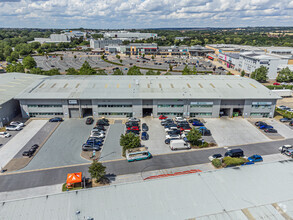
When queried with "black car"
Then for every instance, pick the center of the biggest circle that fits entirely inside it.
(174, 132)
(96, 139)
(270, 130)
(102, 122)
(291, 123)
(29, 153)
(167, 121)
(131, 124)
(56, 119)
(170, 125)
(89, 121)
(35, 147)
(100, 127)
(259, 123)
(144, 127)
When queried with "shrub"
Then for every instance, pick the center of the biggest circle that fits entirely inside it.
(217, 163)
(233, 161)
(203, 145)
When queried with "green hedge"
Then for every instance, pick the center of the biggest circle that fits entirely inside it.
(233, 161)
(217, 163)
(284, 113)
(108, 61)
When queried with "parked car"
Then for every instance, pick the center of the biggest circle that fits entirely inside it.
(291, 123)
(174, 132)
(90, 147)
(197, 123)
(215, 156)
(131, 123)
(270, 130)
(173, 136)
(276, 84)
(35, 147)
(247, 163)
(255, 158)
(289, 152)
(5, 135)
(17, 123)
(168, 140)
(144, 136)
(179, 119)
(29, 153)
(89, 121)
(183, 123)
(185, 128)
(56, 119)
(282, 107)
(132, 131)
(97, 134)
(170, 129)
(94, 142)
(134, 128)
(134, 119)
(285, 120)
(13, 128)
(234, 153)
(102, 122)
(204, 131)
(97, 130)
(258, 123)
(96, 138)
(171, 125)
(193, 120)
(165, 122)
(144, 127)
(161, 117)
(100, 127)
(265, 126)
(285, 147)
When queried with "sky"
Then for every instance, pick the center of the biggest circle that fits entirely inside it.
(124, 14)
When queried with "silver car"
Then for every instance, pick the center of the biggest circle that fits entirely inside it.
(13, 128)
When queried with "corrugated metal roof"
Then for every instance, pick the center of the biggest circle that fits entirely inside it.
(260, 191)
(12, 84)
(147, 87)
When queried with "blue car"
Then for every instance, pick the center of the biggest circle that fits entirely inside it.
(265, 126)
(94, 142)
(144, 136)
(247, 163)
(255, 158)
(197, 123)
(56, 119)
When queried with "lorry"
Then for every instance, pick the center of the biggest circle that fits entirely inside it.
(179, 144)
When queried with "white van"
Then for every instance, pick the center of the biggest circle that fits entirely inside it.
(179, 144)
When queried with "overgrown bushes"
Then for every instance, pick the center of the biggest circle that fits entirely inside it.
(280, 87)
(217, 163)
(233, 161)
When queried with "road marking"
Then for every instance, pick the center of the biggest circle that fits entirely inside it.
(281, 211)
(247, 214)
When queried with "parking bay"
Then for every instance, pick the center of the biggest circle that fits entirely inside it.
(63, 147)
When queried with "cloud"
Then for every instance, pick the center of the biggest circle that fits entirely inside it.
(144, 13)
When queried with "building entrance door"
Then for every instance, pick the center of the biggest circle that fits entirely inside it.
(147, 112)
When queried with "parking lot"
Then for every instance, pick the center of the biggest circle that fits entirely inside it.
(283, 129)
(236, 131)
(111, 149)
(63, 147)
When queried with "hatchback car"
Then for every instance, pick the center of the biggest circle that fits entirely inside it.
(285, 147)
(215, 156)
(193, 120)
(56, 119)
(285, 120)
(289, 152)
(197, 123)
(17, 123)
(89, 121)
(161, 117)
(291, 123)
(5, 135)
(265, 126)
(13, 128)
(134, 119)
(90, 147)
(255, 158)
(29, 153)
(144, 136)
(144, 127)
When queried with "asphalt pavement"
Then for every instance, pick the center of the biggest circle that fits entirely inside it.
(23, 180)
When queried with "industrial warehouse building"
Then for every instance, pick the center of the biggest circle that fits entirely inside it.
(12, 84)
(139, 96)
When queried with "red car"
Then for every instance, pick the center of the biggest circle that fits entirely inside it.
(163, 117)
(134, 128)
(276, 84)
(185, 129)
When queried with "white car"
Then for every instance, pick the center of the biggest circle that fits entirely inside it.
(179, 119)
(171, 129)
(13, 128)
(173, 136)
(96, 134)
(285, 147)
(134, 119)
(215, 156)
(5, 135)
(17, 123)
(97, 130)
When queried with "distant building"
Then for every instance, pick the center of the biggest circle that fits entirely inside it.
(102, 43)
(54, 38)
(125, 35)
(233, 48)
(181, 38)
(141, 48)
(181, 50)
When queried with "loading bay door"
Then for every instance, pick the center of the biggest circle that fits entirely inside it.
(74, 113)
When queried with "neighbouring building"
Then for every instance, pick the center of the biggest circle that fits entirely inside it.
(12, 84)
(233, 48)
(125, 35)
(102, 43)
(141, 48)
(139, 96)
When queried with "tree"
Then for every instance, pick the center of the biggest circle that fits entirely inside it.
(134, 71)
(71, 71)
(101, 72)
(86, 69)
(229, 73)
(186, 71)
(36, 71)
(167, 73)
(118, 57)
(129, 141)
(75, 56)
(29, 62)
(120, 61)
(61, 57)
(193, 136)
(242, 73)
(150, 72)
(285, 75)
(260, 74)
(97, 171)
(158, 72)
(153, 57)
(194, 70)
(118, 72)
(170, 67)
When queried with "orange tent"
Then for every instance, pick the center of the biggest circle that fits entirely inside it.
(74, 178)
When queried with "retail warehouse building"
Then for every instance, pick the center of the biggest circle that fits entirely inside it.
(139, 96)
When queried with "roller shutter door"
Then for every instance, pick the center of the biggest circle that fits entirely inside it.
(74, 113)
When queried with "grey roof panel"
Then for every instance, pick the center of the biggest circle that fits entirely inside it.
(147, 87)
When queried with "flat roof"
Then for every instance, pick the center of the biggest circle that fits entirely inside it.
(147, 87)
(259, 191)
(12, 84)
